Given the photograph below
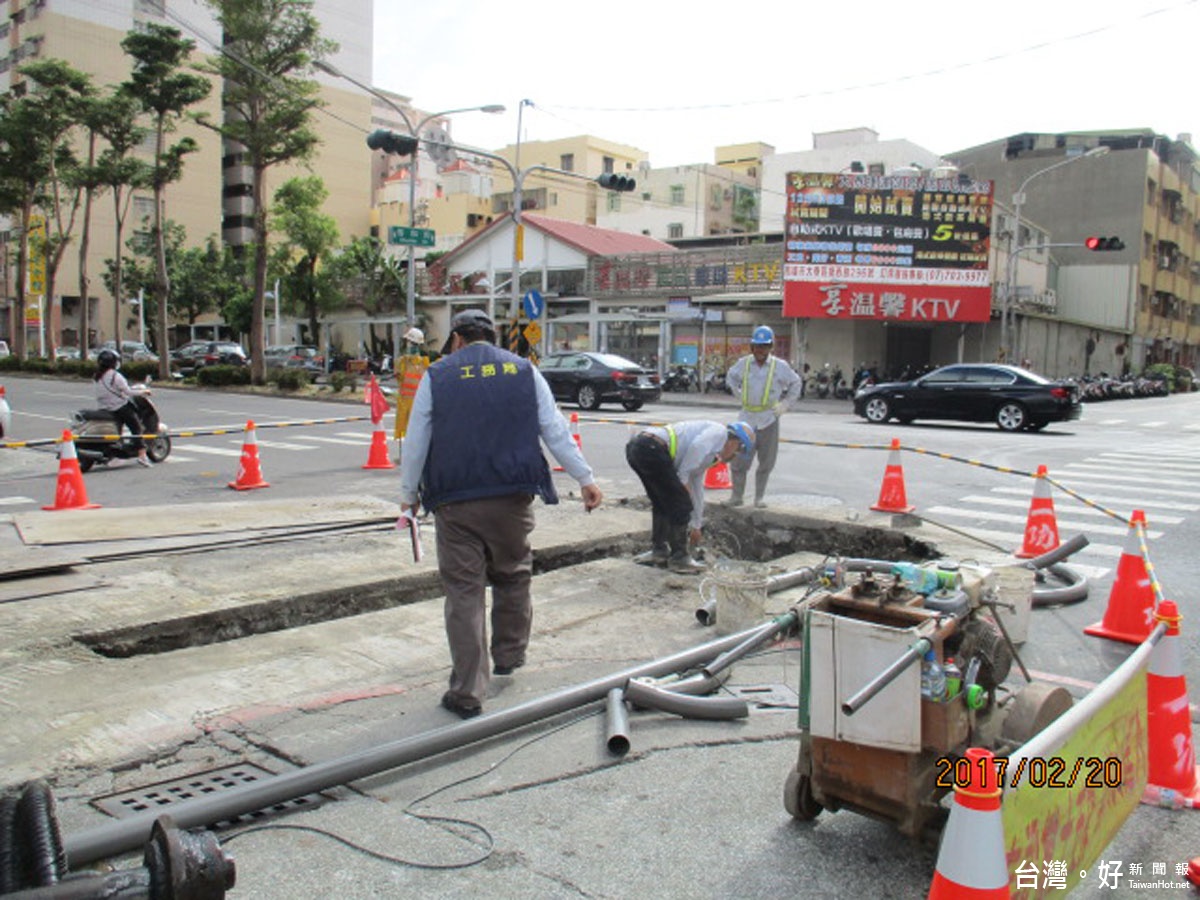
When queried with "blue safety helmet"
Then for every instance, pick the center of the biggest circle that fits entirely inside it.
(762, 335)
(744, 433)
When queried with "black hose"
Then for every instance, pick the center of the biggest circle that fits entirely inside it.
(1074, 588)
(10, 851)
(46, 863)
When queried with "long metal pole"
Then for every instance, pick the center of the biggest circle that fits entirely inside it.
(124, 835)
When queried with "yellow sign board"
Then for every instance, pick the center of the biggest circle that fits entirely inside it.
(533, 333)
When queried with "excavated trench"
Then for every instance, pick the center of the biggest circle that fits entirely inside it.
(761, 536)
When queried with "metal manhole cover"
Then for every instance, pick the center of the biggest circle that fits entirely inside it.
(165, 794)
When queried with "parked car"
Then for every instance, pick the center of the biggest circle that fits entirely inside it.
(4, 351)
(198, 354)
(66, 353)
(294, 356)
(130, 350)
(1012, 397)
(590, 379)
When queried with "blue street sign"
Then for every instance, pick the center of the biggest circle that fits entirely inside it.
(533, 303)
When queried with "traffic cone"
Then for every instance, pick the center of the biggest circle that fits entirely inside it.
(378, 457)
(249, 474)
(1130, 613)
(575, 435)
(891, 492)
(1173, 770)
(1041, 528)
(971, 859)
(717, 478)
(70, 492)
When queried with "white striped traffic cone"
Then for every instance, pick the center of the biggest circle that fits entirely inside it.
(249, 474)
(1041, 528)
(1174, 779)
(971, 862)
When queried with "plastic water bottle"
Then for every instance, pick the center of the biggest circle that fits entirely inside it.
(933, 679)
(954, 679)
(916, 578)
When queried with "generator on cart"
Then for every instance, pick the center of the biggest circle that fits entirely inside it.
(876, 737)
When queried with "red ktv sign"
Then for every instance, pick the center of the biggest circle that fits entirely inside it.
(901, 248)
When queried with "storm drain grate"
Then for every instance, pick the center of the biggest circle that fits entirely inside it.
(766, 696)
(165, 794)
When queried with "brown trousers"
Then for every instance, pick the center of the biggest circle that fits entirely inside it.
(481, 542)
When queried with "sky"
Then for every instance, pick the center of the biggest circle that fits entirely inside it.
(679, 79)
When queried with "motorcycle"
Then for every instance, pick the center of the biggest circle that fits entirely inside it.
(716, 382)
(681, 378)
(841, 390)
(96, 431)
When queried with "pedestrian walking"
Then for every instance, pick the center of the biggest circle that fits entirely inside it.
(766, 385)
(472, 457)
(671, 461)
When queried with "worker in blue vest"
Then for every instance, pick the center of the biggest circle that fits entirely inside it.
(766, 386)
(671, 461)
(472, 455)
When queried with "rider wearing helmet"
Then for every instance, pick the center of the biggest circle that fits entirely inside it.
(672, 461)
(113, 394)
(766, 386)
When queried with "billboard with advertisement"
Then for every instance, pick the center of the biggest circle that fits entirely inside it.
(887, 247)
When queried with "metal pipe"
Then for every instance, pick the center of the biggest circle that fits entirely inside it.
(616, 727)
(1073, 589)
(706, 612)
(1059, 553)
(786, 580)
(650, 697)
(884, 678)
(699, 683)
(124, 835)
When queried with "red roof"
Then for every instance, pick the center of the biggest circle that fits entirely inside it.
(596, 241)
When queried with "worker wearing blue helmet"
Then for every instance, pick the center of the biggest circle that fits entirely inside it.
(766, 386)
(672, 461)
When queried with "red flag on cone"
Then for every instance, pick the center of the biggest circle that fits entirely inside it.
(717, 478)
(1174, 779)
(1041, 528)
(377, 400)
(378, 457)
(249, 474)
(971, 860)
(70, 492)
(891, 493)
(575, 435)
(1130, 613)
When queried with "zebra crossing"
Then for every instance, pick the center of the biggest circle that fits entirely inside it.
(299, 443)
(1161, 482)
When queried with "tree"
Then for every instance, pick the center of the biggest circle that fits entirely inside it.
(113, 118)
(379, 278)
(269, 47)
(309, 235)
(123, 174)
(165, 92)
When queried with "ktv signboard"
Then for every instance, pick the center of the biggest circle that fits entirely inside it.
(887, 247)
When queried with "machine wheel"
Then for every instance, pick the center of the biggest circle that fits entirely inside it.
(635, 405)
(1011, 416)
(587, 397)
(159, 448)
(1033, 708)
(877, 410)
(798, 797)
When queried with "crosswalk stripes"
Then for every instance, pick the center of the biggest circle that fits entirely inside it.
(1121, 481)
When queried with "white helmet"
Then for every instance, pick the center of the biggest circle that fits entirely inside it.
(414, 336)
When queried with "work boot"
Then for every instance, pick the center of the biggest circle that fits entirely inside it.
(685, 565)
(681, 562)
(660, 538)
(658, 556)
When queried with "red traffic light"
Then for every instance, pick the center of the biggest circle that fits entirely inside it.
(1104, 243)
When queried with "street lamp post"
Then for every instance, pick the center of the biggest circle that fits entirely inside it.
(415, 132)
(1014, 248)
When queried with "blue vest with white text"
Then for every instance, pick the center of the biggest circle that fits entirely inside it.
(485, 437)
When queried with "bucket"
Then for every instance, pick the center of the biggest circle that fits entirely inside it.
(738, 590)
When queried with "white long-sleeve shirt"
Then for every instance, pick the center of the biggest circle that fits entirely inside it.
(697, 443)
(785, 387)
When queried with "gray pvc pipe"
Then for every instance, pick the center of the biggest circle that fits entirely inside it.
(616, 729)
(650, 697)
(123, 835)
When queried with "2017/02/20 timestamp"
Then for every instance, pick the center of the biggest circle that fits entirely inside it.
(1035, 771)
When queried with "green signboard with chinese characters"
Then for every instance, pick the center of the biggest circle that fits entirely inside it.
(417, 237)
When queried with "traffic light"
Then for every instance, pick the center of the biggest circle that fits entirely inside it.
(390, 142)
(614, 182)
(1104, 243)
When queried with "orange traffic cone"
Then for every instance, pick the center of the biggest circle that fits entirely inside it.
(1174, 778)
(717, 478)
(971, 860)
(70, 492)
(1130, 613)
(1041, 528)
(249, 474)
(891, 492)
(575, 435)
(378, 457)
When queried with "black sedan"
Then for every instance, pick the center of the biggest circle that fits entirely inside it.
(590, 379)
(1011, 397)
